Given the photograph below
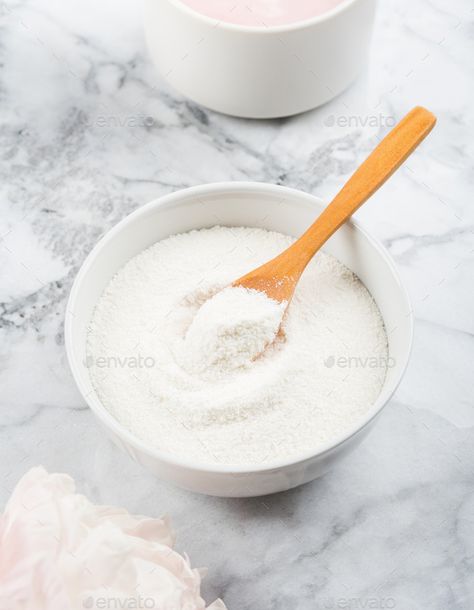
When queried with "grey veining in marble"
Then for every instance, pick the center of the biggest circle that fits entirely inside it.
(89, 132)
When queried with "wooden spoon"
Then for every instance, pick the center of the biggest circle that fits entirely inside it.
(278, 277)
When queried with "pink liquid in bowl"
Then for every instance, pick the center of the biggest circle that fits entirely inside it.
(262, 12)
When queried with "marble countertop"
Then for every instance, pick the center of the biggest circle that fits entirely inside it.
(89, 132)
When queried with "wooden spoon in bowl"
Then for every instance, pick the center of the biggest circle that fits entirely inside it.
(278, 277)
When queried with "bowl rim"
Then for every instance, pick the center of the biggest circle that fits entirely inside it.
(110, 422)
(262, 29)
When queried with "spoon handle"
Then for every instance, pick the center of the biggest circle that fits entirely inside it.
(385, 159)
(278, 277)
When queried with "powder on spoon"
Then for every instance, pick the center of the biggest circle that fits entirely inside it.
(171, 350)
(232, 329)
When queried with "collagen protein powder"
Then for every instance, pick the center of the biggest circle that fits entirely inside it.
(226, 375)
(262, 12)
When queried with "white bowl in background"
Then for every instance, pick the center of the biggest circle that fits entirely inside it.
(236, 204)
(259, 72)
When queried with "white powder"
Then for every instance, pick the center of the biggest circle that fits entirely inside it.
(176, 357)
(231, 330)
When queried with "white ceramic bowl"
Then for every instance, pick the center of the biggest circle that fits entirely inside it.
(259, 72)
(236, 204)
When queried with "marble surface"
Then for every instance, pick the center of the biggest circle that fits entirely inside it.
(89, 132)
